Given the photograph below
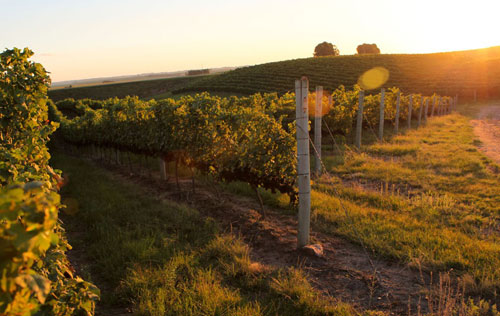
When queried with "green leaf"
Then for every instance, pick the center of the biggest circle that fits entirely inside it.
(39, 285)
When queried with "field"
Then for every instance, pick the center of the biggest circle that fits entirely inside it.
(142, 89)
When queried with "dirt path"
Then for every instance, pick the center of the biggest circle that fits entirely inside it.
(344, 272)
(487, 128)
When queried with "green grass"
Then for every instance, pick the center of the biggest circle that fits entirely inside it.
(443, 73)
(163, 258)
(427, 197)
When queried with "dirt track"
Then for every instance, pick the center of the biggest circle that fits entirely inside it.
(487, 128)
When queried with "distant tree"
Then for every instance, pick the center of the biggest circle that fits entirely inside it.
(368, 49)
(326, 49)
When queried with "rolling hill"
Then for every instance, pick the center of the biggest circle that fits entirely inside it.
(459, 72)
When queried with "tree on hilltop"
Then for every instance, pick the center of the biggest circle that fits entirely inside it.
(326, 49)
(368, 49)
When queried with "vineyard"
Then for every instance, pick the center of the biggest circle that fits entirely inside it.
(250, 139)
(418, 196)
(444, 73)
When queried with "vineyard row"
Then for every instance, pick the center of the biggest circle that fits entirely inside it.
(249, 139)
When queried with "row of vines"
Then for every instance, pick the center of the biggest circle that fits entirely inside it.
(250, 139)
(36, 276)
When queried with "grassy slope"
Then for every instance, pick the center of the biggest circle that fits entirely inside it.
(165, 259)
(428, 197)
(142, 89)
(444, 73)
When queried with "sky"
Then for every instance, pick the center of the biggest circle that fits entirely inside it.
(100, 38)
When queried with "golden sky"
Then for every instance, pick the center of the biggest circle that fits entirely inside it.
(98, 38)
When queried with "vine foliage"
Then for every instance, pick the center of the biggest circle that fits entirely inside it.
(36, 276)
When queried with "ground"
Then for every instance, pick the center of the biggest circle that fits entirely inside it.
(487, 128)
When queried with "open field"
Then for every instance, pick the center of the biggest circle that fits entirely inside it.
(142, 89)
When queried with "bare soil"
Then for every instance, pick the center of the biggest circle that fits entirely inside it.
(487, 128)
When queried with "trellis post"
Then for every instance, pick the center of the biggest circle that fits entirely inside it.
(317, 129)
(410, 108)
(359, 123)
(425, 111)
(420, 111)
(303, 170)
(398, 100)
(163, 168)
(381, 123)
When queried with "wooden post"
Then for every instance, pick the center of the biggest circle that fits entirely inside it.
(433, 106)
(381, 123)
(359, 123)
(426, 108)
(329, 108)
(396, 129)
(440, 104)
(420, 111)
(163, 168)
(317, 129)
(303, 170)
(410, 108)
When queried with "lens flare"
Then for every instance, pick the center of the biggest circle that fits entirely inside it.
(373, 78)
(327, 104)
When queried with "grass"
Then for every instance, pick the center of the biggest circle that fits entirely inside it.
(427, 197)
(164, 258)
